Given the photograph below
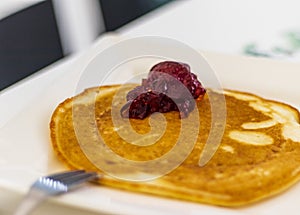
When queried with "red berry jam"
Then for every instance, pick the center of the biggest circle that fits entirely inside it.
(170, 86)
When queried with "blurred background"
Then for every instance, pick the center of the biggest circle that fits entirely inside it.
(37, 33)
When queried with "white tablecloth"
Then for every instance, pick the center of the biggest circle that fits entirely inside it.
(225, 26)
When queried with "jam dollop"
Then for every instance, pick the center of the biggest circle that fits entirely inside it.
(170, 86)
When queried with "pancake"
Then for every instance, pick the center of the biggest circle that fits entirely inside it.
(258, 157)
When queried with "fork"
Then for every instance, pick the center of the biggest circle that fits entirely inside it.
(52, 185)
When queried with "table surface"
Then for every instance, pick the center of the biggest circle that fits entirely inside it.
(222, 26)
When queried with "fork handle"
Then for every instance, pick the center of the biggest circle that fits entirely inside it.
(30, 202)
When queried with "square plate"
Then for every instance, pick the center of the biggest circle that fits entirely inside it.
(26, 153)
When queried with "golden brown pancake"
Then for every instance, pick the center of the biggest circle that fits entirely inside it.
(259, 155)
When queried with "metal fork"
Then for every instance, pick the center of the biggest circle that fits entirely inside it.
(52, 185)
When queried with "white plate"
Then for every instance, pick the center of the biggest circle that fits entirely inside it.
(25, 149)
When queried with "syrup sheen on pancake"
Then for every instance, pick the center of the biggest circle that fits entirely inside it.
(259, 155)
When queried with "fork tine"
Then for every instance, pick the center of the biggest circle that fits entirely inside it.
(79, 178)
(58, 176)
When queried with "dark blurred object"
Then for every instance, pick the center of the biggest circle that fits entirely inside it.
(119, 12)
(29, 42)
(30, 39)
